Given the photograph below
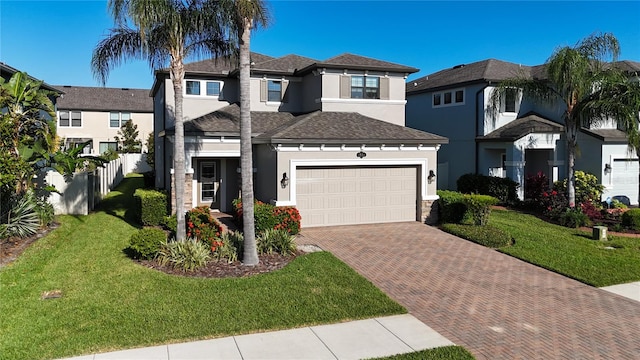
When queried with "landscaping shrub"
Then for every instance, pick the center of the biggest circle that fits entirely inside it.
(276, 241)
(268, 216)
(535, 187)
(593, 212)
(147, 242)
(151, 206)
(486, 235)
(631, 219)
(170, 223)
(574, 218)
(188, 255)
(451, 206)
(21, 218)
(231, 246)
(587, 187)
(201, 225)
(504, 189)
(479, 207)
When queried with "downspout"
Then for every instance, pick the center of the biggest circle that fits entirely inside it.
(477, 155)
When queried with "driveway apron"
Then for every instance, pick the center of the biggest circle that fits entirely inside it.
(496, 306)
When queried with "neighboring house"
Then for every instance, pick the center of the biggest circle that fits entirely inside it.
(96, 114)
(6, 72)
(520, 138)
(329, 138)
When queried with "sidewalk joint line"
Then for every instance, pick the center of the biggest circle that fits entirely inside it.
(323, 343)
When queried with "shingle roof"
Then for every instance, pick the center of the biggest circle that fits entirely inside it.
(315, 127)
(607, 135)
(353, 61)
(628, 66)
(285, 64)
(221, 66)
(486, 70)
(104, 99)
(522, 126)
(6, 72)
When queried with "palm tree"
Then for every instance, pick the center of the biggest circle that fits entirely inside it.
(165, 31)
(573, 74)
(244, 16)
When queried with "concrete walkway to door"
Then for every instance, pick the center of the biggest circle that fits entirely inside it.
(496, 306)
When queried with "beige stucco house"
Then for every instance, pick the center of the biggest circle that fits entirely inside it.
(329, 138)
(96, 114)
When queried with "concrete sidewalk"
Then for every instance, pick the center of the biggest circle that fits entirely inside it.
(629, 290)
(361, 339)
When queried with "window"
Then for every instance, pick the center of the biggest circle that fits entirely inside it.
(196, 87)
(117, 119)
(213, 88)
(193, 87)
(104, 146)
(70, 118)
(448, 98)
(510, 100)
(274, 90)
(365, 87)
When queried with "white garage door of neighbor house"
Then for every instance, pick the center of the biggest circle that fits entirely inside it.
(625, 178)
(356, 195)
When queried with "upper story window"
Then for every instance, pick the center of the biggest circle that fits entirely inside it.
(510, 98)
(69, 119)
(274, 90)
(194, 87)
(448, 98)
(365, 87)
(117, 119)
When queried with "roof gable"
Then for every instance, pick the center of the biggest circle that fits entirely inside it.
(352, 61)
(528, 123)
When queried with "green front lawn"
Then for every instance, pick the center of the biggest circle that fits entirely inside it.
(441, 353)
(109, 302)
(570, 252)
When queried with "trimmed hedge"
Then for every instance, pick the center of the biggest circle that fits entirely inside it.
(486, 235)
(631, 219)
(146, 243)
(151, 207)
(460, 208)
(504, 189)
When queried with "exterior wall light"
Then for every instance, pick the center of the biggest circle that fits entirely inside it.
(361, 154)
(607, 169)
(285, 181)
(432, 175)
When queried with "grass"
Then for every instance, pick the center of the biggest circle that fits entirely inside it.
(570, 252)
(441, 353)
(109, 302)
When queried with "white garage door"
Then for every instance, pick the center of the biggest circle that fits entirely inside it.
(625, 179)
(356, 195)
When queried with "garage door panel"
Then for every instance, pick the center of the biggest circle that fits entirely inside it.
(625, 179)
(356, 195)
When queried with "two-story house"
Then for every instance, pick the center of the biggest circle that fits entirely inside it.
(328, 138)
(96, 114)
(520, 138)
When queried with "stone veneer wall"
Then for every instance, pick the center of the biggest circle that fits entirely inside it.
(429, 212)
(188, 190)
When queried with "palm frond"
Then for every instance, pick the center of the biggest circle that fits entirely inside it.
(121, 44)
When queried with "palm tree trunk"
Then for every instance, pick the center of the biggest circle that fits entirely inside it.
(250, 256)
(572, 144)
(177, 75)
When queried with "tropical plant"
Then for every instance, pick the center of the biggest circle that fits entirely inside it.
(231, 246)
(574, 78)
(21, 218)
(244, 16)
(165, 32)
(276, 241)
(186, 254)
(127, 138)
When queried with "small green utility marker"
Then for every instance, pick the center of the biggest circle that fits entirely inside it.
(600, 233)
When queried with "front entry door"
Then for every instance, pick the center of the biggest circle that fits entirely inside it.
(209, 184)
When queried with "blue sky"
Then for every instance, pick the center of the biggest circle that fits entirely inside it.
(53, 40)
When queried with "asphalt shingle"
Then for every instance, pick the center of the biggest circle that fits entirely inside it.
(104, 99)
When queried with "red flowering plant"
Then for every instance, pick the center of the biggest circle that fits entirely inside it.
(204, 227)
(555, 203)
(536, 191)
(268, 216)
(288, 219)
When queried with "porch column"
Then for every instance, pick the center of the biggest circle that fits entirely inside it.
(515, 171)
(554, 170)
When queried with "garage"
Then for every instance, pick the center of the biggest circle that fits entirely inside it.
(624, 180)
(356, 194)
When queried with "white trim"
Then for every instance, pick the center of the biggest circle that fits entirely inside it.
(361, 101)
(70, 120)
(208, 140)
(187, 170)
(430, 197)
(453, 98)
(356, 148)
(295, 163)
(219, 153)
(222, 186)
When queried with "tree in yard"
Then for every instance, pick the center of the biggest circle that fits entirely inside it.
(127, 138)
(165, 31)
(573, 75)
(245, 15)
(151, 151)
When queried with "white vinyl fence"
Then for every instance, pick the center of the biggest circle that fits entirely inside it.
(86, 189)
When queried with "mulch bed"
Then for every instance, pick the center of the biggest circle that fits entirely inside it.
(224, 269)
(12, 247)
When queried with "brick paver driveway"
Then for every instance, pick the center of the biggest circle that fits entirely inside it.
(494, 305)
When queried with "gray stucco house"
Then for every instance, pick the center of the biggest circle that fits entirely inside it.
(329, 138)
(521, 139)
